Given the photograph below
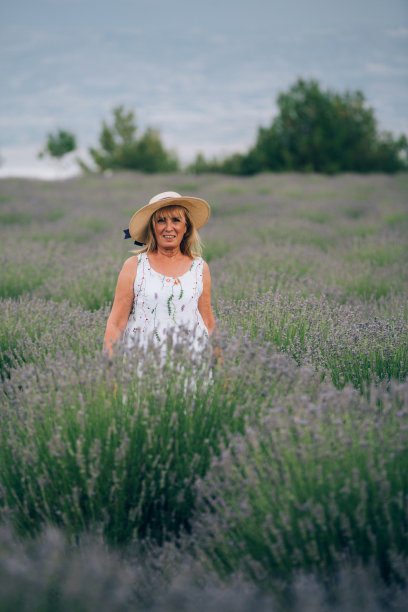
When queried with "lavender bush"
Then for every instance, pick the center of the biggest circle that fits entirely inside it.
(283, 467)
(50, 575)
(318, 481)
(118, 452)
(32, 329)
(352, 343)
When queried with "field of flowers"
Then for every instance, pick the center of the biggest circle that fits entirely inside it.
(277, 478)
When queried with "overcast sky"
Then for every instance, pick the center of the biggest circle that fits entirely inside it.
(205, 74)
(217, 15)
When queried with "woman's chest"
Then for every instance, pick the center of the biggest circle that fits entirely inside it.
(169, 269)
(164, 293)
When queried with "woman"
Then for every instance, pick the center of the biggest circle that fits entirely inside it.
(165, 289)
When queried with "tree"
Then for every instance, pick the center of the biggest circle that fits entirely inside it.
(324, 131)
(59, 144)
(201, 165)
(319, 131)
(119, 148)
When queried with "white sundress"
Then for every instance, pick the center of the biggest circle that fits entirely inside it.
(165, 307)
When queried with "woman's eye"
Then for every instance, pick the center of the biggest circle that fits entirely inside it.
(174, 220)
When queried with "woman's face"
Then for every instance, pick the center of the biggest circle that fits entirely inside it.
(169, 228)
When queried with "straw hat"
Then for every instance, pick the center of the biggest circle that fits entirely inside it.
(199, 212)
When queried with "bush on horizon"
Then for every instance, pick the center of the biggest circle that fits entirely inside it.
(119, 148)
(316, 131)
(59, 144)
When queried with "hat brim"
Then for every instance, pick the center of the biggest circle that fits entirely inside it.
(199, 212)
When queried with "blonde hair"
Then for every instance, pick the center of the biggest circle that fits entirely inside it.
(191, 243)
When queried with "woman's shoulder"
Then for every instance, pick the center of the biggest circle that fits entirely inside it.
(202, 266)
(198, 259)
(202, 263)
(129, 267)
(131, 262)
(127, 277)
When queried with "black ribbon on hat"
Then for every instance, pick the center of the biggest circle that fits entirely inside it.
(127, 235)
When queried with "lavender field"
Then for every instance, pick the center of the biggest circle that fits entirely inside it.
(276, 479)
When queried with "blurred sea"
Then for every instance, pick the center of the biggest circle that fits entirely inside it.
(205, 89)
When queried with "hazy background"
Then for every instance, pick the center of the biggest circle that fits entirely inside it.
(205, 74)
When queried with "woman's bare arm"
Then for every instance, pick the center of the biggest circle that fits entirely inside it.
(122, 304)
(204, 302)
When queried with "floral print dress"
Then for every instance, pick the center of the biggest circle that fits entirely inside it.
(163, 306)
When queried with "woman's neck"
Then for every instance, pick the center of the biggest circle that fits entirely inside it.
(171, 262)
(171, 253)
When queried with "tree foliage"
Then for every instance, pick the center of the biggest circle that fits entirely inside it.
(317, 131)
(59, 144)
(119, 147)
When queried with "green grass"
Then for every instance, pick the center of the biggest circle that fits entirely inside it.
(15, 218)
(117, 183)
(233, 190)
(394, 219)
(315, 216)
(362, 193)
(308, 196)
(17, 280)
(232, 211)
(94, 225)
(354, 212)
(379, 255)
(214, 249)
(263, 190)
(185, 188)
(359, 230)
(55, 214)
